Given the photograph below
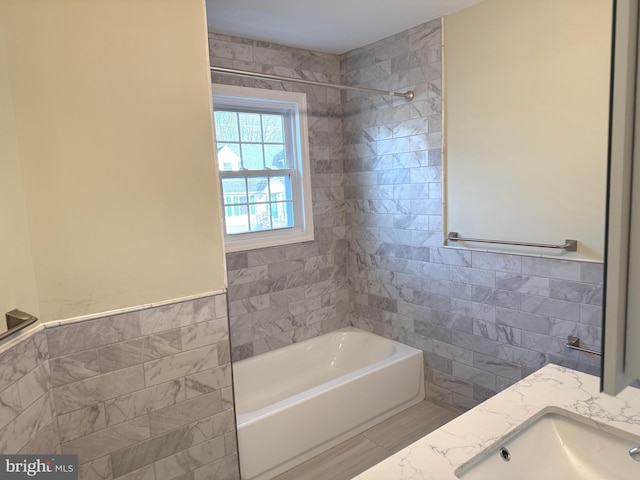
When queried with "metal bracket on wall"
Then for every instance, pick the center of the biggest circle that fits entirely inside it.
(574, 344)
(17, 320)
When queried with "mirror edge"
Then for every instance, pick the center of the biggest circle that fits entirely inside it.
(614, 375)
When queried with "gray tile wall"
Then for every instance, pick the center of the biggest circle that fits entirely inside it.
(145, 394)
(285, 294)
(484, 320)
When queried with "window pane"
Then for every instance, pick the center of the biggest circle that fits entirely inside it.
(236, 216)
(232, 188)
(273, 128)
(275, 157)
(261, 220)
(282, 214)
(252, 156)
(258, 187)
(226, 124)
(280, 188)
(229, 157)
(250, 128)
(235, 222)
(265, 205)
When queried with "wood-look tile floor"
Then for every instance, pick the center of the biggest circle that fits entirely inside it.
(354, 456)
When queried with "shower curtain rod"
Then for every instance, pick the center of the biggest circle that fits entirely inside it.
(245, 73)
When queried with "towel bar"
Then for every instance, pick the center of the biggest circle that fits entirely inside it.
(17, 320)
(574, 343)
(568, 245)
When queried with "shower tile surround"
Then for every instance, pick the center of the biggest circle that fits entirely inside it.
(483, 319)
(145, 394)
(280, 295)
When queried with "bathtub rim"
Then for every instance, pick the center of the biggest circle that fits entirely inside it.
(401, 352)
(244, 419)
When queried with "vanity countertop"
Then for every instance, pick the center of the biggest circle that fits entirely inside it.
(437, 456)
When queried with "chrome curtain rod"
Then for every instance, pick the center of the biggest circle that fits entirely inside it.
(245, 73)
(569, 245)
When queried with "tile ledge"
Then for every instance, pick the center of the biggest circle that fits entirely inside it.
(29, 332)
(522, 254)
(110, 313)
(21, 336)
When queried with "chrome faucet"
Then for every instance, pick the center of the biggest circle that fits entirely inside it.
(635, 453)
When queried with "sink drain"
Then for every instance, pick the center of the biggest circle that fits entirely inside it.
(504, 454)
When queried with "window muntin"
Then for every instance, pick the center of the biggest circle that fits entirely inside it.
(263, 165)
(250, 141)
(268, 205)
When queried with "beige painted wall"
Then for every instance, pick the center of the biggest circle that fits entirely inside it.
(526, 101)
(17, 280)
(114, 127)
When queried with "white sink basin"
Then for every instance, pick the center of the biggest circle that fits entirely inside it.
(557, 447)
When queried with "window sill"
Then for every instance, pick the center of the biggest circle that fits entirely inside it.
(242, 245)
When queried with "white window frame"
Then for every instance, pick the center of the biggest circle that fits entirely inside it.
(270, 101)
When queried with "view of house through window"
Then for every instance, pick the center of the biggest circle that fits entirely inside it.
(249, 143)
(263, 164)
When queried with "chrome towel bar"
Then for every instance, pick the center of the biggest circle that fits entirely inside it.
(16, 321)
(569, 245)
(574, 344)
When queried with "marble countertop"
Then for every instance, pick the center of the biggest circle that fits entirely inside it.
(437, 455)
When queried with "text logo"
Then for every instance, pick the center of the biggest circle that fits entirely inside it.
(45, 467)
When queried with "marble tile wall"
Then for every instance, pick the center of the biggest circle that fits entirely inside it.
(145, 394)
(284, 294)
(484, 320)
(27, 412)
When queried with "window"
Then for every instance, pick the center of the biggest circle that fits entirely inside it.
(263, 164)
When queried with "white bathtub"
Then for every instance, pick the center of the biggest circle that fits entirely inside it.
(295, 402)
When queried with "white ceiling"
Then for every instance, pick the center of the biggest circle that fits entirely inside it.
(330, 26)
